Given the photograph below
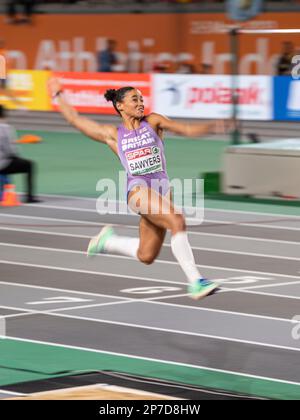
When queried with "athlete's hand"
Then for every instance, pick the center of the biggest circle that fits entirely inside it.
(54, 86)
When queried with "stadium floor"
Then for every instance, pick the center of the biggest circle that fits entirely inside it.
(66, 314)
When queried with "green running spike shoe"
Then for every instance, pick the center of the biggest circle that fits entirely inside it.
(201, 288)
(97, 243)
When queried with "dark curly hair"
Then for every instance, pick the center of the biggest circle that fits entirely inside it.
(117, 95)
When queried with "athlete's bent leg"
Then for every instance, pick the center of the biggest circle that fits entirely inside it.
(160, 211)
(151, 240)
(108, 242)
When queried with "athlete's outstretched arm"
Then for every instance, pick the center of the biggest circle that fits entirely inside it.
(185, 129)
(103, 133)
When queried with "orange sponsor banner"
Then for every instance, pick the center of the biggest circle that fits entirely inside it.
(85, 91)
(145, 41)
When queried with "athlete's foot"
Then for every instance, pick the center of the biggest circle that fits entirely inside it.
(97, 243)
(201, 288)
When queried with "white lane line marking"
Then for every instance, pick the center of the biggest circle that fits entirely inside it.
(14, 308)
(259, 225)
(132, 300)
(79, 222)
(100, 273)
(149, 300)
(50, 311)
(253, 254)
(208, 221)
(207, 208)
(166, 362)
(234, 237)
(97, 273)
(274, 219)
(123, 212)
(246, 238)
(165, 297)
(159, 261)
(56, 207)
(220, 250)
(210, 209)
(19, 315)
(172, 331)
(245, 291)
(55, 289)
(222, 311)
(2, 391)
(277, 295)
(255, 212)
(45, 232)
(119, 302)
(26, 312)
(240, 289)
(224, 289)
(44, 248)
(194, 308)
(145, 300)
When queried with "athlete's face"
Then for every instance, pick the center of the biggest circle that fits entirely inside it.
(133, 104)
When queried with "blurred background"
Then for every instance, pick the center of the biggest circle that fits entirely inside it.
(191, 59)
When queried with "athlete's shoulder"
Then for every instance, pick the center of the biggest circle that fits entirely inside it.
(154, 119)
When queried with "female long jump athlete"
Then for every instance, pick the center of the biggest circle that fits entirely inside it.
(131, 141)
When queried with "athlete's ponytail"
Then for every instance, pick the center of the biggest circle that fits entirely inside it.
(110, 95)
(114, 96)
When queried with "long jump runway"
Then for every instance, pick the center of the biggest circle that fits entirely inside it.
(51, 293)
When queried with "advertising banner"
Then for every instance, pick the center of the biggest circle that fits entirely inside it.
(85, 91)
(286, 98)
(71, 43)
(243, 9)
(29, 88)
(193, 96)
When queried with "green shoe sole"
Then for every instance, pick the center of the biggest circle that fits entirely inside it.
(200, 289)
(97, 243)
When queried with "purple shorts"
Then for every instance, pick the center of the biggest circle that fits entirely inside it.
(160, 185)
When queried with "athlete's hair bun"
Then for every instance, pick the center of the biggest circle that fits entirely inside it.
(110, 95)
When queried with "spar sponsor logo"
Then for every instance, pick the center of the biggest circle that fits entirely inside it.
(144, 161)
(139, 153)
(220, 94)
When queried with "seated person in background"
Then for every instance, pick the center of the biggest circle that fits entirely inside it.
(12, 11)
(107, 58)
(284, 64)
(10, 162)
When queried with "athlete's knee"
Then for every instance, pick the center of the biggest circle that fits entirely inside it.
(178, 223)
(146, 257)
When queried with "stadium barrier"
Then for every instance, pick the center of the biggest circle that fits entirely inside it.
(262, 98)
